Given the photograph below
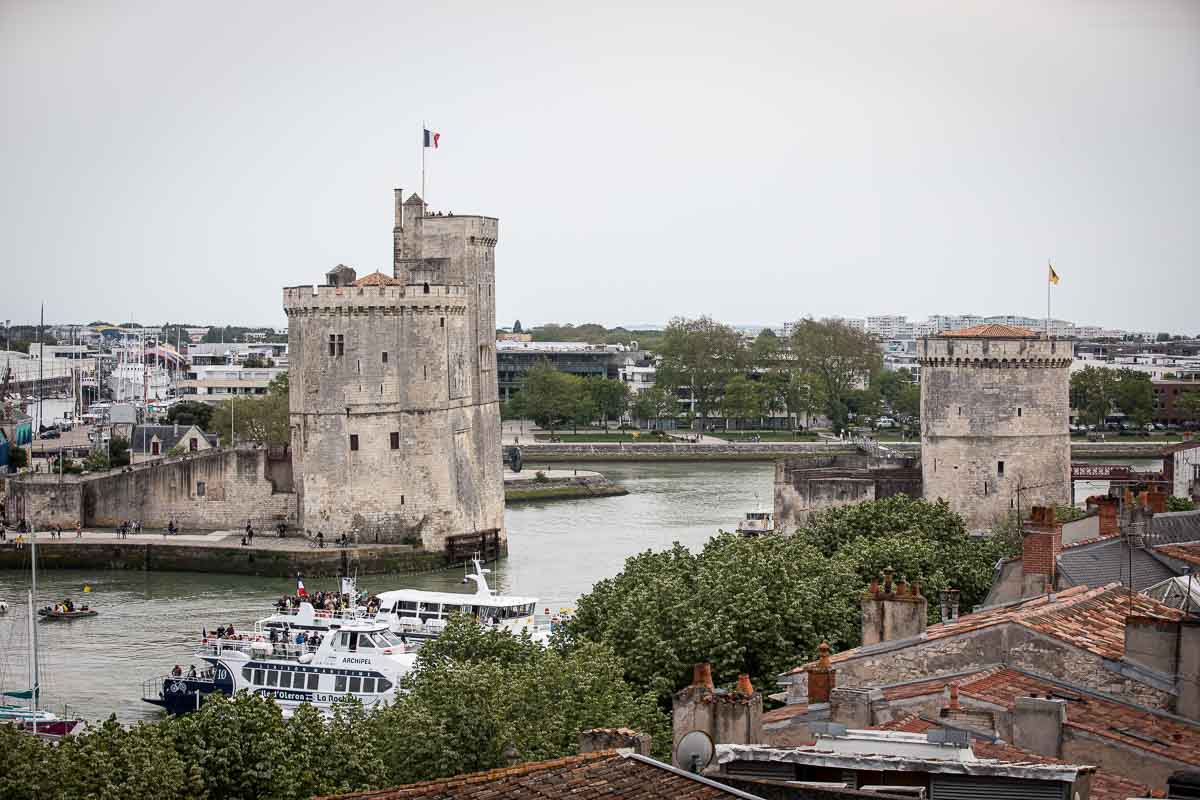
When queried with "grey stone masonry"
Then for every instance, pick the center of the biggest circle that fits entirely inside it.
(395, 419)
(994, 417)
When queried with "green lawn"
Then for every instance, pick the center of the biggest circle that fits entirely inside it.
(765, 436)
(597, 436)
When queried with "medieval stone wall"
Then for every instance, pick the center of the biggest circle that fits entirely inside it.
(994, 417)
(395, 421)
(214, 490)
(804, 486)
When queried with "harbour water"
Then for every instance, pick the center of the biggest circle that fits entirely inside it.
(557, 550)
(149, 622)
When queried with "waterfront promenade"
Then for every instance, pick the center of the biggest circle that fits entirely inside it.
(214, 551)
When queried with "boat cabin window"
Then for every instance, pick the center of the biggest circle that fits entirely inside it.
(364, 642)
(368, 686)
(285, 680)
(405, 605)
(355, 685)
(430, 611)
(313, 679)
(449, 610)
(272, 677)
(259, 677)
(382, 684)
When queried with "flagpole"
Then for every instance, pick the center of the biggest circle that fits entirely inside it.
(423, 148)
(1049, 267)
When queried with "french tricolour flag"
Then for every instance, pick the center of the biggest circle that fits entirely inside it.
(300, 588)
(431, 138)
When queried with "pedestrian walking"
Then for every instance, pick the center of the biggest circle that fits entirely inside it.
(78, 530)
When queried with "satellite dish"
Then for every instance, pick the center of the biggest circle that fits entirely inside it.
(695, 751)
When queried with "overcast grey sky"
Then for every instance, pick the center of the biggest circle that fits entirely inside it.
(183, 161)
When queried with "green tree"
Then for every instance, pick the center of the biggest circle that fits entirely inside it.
(18, 458)
(907, 405)
(839, 357)
(516, 328)
(610, 398)
(1134, 395)
(547, 395)
(118, 452)
(1092, 393)
(191, 412)
(701, 355)
(762, 605)
(1188, 404)
(655, 403)
(262, 419)
(742, 399)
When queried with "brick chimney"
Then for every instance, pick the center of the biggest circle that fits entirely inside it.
(598, 740)
(1041, 542)
(1109, 510)
(822, 677)
(954, 715)
(892, 610)
(727, 717)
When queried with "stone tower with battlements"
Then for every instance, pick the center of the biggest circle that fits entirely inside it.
(995, 411)
(395, 419)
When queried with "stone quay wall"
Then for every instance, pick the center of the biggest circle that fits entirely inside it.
(228, 559)
(214, 490)
(994, 423)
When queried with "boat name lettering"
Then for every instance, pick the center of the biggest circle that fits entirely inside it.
(349, 660)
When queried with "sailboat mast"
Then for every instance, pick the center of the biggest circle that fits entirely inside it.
(36, 683)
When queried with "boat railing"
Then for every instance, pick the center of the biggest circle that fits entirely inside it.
(255, 647)
(325, 617)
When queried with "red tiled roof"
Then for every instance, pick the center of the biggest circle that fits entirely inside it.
(933, 685)
(785, 712)
(377, 279)
(1090, 619)
(1187, 551)
(1129, 725)
(593, 775)
(1105, 785)
(992, 331)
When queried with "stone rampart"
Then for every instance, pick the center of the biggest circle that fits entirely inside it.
(271, 562)
(214, 490)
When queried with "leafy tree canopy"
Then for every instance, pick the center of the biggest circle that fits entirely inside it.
(191, 412)
(762, 605)
(840, 357)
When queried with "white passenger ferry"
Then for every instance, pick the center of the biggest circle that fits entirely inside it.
(293, 659)
(419, 615)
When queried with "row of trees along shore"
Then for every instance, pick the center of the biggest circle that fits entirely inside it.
(481, 699)
(824, 367)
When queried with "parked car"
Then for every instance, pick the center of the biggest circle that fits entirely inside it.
(50, 433)
(885, 422)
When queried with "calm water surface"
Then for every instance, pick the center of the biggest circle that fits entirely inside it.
(150, 621)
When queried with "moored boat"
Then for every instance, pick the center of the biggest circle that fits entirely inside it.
(757, 523)
(51, 613)
(281, 660)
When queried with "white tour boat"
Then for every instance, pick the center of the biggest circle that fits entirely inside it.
(294, 658)
(419, 615)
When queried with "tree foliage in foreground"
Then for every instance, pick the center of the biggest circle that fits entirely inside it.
(475, 699)
(762, 605)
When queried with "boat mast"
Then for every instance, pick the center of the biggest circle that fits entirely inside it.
(35, 688)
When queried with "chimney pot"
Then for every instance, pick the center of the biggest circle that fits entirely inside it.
(744, 686)
(702, 676)
(822, 677)
(953, 704)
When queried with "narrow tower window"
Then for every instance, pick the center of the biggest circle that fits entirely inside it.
(341, 345)
(1018, 411)
(385, 356)
(443, 321)
(425, 288)
(332, 345)
(354, 441)
(394, 436)
(1000, 468)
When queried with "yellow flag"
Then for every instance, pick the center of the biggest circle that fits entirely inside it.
(1053, 275)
